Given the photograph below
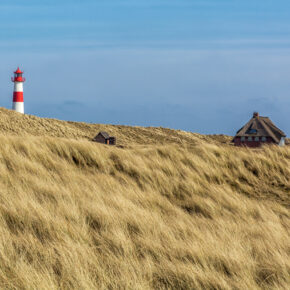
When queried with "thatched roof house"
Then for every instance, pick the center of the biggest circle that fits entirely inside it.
(258, 131)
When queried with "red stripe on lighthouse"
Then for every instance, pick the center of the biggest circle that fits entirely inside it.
(18, 97)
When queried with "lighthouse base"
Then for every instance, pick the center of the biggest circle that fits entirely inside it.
(18, 107)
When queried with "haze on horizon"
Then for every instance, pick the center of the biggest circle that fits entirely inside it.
(202, 66)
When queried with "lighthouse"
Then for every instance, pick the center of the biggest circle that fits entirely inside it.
(18, 103)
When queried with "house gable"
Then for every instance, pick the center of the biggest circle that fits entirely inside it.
(258, 129)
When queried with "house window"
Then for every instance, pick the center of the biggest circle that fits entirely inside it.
(264, 139)
(250, 138)
(252, 131)
(256, 138)
(243, 138)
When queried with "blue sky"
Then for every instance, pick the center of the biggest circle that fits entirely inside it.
(202, 66)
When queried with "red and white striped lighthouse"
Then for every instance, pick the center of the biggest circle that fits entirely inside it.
(18, 102)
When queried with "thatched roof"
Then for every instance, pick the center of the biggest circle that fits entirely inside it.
(261, 127)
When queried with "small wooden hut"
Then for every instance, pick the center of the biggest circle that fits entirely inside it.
(105, 138)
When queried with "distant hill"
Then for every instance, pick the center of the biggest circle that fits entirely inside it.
(22, 125)
(166, 210)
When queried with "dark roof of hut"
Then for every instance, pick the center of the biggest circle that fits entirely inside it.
(104, 134)
(261, 127)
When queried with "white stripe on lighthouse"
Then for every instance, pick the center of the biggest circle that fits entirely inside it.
(18, 87)
(18, 107)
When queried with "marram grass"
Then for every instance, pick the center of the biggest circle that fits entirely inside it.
(183, 212)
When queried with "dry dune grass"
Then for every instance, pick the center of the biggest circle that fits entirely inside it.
(184, 215)
(26, 125)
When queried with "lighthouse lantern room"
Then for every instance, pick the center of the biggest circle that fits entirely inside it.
(18, 102)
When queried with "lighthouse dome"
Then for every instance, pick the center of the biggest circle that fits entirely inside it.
(18, 71)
